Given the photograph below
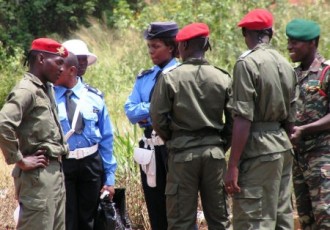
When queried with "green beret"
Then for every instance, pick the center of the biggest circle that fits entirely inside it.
(302, 30)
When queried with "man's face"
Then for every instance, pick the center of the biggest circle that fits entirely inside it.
(299, 50)
(52, 67)
(158, 51)
(65, 76)
(83, 63)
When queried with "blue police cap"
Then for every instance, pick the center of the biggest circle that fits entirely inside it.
(161, 30)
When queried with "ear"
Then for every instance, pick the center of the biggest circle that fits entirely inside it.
(40, 58)
(185, 45)
(73, 71)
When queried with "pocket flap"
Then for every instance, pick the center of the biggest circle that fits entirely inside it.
(33, 203)
(171, 189)
(250, 193)
(16, 172)
(142, 156)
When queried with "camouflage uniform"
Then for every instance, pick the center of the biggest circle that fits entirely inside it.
(311, 170)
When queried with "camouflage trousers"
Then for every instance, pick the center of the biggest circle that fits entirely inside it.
(311, 179)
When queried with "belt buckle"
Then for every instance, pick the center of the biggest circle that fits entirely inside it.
(80, 154)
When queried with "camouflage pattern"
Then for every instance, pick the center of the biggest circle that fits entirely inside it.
(311, 170)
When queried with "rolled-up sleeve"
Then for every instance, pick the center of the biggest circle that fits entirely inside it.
(243, 94)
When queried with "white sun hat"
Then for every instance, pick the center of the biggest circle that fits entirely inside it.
(78, 47)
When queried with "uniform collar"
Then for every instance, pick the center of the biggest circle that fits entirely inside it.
(34, 79)
(77, 89)
(196, 61)
(316, 64)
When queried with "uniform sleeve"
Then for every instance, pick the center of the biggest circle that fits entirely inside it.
(243, 92)
(19, 102)
(106, 147)
(227, 131)
(160, 107)
(294, 98)
(136, 109)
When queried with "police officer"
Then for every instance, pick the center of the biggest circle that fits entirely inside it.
(187, 109)
(85, 57)
(160, 37)
(311, 135)
(31, 137)
(262, 103)
(90, 166)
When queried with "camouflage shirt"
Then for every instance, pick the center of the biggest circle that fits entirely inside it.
(313, 103)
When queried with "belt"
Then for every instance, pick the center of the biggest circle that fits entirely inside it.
(82, 152)
(58, 158)
(265, 126)
(155, 140)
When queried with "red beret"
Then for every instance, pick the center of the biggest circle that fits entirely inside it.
(193, 30)
(50, 46)
(258, 19)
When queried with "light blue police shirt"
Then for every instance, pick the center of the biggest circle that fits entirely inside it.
(97, 129)
(137, 105)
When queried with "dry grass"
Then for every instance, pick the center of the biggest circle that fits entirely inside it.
(7, 197)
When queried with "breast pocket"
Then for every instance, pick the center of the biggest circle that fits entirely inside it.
(91, 124)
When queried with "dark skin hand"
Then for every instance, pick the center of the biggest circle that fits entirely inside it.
(36, 160)
(320, 125)
(241, 129)
(110, 189)
(142, 122)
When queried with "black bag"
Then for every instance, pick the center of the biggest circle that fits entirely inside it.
(112, 215)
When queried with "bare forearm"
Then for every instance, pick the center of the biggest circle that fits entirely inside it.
(320, 125)
(241, 131)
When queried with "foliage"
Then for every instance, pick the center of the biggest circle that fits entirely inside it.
(21, 20)
(11, 70)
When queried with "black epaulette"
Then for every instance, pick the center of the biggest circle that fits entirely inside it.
(94, 90)
(222, 70)
(144, 72)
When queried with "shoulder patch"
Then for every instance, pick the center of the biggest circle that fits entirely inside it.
(94, 90)
(144, 72)
(246, 53)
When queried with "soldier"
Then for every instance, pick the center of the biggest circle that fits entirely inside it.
(311, 135)
(31, 137)
(262, 103)
(187, 109)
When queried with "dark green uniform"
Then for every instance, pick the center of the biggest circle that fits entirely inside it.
(264, 92)
(28, 122)
(187, 108)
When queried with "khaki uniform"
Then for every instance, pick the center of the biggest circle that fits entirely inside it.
(28, 122)
(311, 172)
(187, 109)
(264, 92)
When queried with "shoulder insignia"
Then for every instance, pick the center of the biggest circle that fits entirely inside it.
(246, 53)
(170, 69)
(94, 90)
(144, 72)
